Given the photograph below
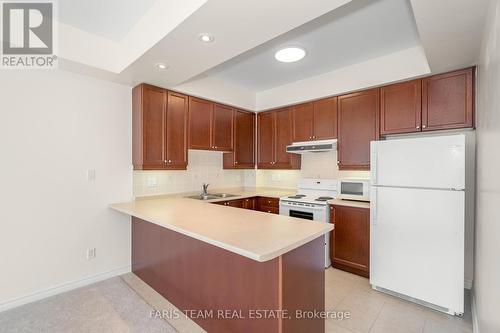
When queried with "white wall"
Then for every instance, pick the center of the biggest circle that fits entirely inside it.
(486, 289)
(54, 126)
(203, 167)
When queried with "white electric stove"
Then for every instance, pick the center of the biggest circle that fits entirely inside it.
(310, 203)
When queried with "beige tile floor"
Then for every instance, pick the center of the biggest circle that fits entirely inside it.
(370, 311)
(375, 312)
(110, 306)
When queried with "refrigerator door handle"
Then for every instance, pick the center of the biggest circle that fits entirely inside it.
(373, 205)
(374, 162)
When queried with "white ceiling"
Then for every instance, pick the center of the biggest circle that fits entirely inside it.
(238, 26)
(112, 19)
(122, 40)
(358, 31)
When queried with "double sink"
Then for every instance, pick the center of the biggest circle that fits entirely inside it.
(212, 196)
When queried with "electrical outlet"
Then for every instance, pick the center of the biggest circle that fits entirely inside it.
(91, 253)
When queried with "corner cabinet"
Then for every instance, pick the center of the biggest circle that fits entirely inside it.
(210, 125)
(274, 133)
(243, 155)
(358, 125)
(159, 132)
(350, 241)
(315, 121)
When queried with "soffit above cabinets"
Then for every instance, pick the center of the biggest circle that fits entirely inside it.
(354, 33)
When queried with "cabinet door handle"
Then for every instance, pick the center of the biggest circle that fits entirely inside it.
(235, 162)
(215, 147)
(169, 161)
(418, 127)
(424, 126)
(165, 161)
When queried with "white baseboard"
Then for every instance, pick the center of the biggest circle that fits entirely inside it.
(475, 322)
(467, 284)
(63, 287)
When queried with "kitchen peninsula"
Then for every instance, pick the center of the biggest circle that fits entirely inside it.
(228, 260)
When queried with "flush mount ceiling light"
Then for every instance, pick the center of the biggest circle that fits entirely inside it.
(161, 66)
(290, 54)
(207, 38)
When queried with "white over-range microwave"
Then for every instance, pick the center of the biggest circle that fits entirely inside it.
(354, 189)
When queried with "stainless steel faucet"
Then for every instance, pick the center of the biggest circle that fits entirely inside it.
(205, 190)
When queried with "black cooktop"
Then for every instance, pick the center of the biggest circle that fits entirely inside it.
(324, 198)
(297, 196)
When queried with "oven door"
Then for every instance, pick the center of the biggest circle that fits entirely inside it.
(318, 214)
(308, 213)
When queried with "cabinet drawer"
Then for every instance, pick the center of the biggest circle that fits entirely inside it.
(268, 209)
(270, 202)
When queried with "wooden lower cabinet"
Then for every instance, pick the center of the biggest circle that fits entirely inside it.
(350, 241)
(249, 203)
(268, 205)
(263, 204)
(238, 203)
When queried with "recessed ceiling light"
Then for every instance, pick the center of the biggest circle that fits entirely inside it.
(207, 38)
(290, 54)
(161, 66)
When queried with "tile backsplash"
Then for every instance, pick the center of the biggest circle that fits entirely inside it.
(314, 165)
(204, 167)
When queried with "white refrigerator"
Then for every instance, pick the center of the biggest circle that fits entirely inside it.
(417, 220)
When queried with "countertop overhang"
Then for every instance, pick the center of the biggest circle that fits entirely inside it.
(253, 234)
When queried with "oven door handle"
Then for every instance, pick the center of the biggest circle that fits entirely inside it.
(301, 207)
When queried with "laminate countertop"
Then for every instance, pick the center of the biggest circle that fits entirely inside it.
(253, 234)
(349, 203)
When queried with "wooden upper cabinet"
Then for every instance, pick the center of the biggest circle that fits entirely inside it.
(210, 125)
(200, 119)
(159, 129)
(265, 139)
(358, 125)
(153, 127)
(303, 118)
(350, 245)
(283, 137)
(176, 130)
(401, 108)
(274, 133)
(448, 100)
(243, 155)
(315, 121)
(222, 128)
(325, 119)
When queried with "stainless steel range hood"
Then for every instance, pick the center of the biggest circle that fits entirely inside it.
(312, 146)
